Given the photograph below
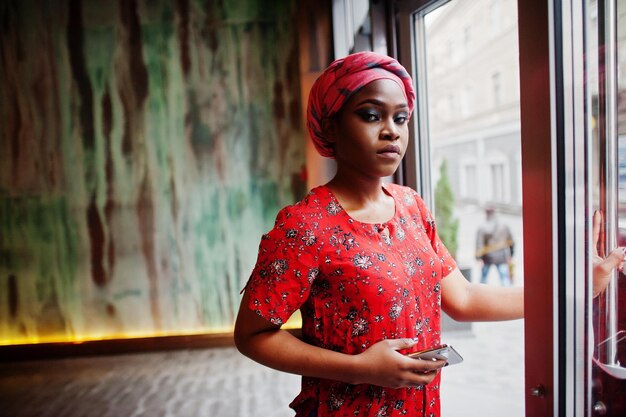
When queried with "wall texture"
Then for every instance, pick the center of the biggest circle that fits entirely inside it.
(145, 146)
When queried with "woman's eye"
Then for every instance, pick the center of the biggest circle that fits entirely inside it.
(369, 116)
(401, 119)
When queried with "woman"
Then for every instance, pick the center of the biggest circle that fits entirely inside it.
(363, 262)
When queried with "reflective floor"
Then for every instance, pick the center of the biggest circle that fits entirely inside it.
(193, 383)
(220, 382)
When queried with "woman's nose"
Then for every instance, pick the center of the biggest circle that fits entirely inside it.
(390, 130)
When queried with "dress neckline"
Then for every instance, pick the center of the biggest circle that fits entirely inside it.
(380, 225)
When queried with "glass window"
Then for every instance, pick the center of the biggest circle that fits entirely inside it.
(352, 27)
(474, 144)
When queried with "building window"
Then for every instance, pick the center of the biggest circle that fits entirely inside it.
(467, 33)
(496, 83)
(468, 181)
(498, 184)
(451, 107)
(495, 17)
(466, 103)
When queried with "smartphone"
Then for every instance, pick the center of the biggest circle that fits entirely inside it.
(442, 352)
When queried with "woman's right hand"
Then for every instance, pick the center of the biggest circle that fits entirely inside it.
(382, 365)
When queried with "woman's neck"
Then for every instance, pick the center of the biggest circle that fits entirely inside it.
(357, 189)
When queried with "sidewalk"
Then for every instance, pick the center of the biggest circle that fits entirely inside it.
(490, 381)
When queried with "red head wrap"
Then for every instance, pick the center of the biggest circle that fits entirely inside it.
(342, 79)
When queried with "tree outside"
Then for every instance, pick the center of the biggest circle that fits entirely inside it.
(447, 224)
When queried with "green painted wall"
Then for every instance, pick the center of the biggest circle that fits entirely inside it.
(144, 149)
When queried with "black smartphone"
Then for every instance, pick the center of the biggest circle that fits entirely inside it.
(441, 352)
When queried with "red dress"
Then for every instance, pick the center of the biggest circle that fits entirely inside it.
(355, 285)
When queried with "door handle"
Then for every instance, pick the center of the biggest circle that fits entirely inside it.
(607, 350)
(538, 391)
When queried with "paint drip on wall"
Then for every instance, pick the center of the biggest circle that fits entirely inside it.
(145, 147)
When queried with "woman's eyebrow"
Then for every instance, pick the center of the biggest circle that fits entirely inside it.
(381, 103)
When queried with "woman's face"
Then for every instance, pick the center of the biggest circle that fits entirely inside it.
(371, 131)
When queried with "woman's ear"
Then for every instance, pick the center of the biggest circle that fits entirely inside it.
(329, 128)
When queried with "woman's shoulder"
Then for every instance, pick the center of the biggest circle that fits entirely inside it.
(406, 195)
(309, 208)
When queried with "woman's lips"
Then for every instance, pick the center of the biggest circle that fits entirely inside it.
(390, 151)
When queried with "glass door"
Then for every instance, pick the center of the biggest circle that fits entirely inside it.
(466, 163)
(570, 66)
(605, 23)
(572, 99)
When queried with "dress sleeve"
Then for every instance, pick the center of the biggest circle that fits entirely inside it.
(448, 264)
(286, 267)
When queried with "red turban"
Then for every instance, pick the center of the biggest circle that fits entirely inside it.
(342, 79)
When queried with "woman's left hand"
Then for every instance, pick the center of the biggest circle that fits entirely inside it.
(603, 267)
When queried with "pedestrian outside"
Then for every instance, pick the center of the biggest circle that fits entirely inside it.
(494, 248)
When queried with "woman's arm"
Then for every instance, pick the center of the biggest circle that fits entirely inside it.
(381, 364)
(465, 301)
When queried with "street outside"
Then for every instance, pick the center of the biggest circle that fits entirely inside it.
(490, 381)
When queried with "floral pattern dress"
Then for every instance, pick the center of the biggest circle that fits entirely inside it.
(355, 284)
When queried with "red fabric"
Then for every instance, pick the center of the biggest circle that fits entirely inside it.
(355, 287)
(341, 80)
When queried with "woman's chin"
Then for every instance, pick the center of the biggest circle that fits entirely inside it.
(383, 173)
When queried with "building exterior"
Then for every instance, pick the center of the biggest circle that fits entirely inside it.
(473, 96)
